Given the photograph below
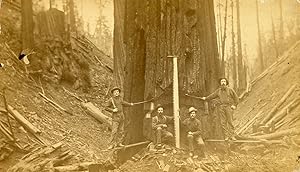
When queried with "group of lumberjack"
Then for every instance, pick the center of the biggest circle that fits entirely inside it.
(225, 101)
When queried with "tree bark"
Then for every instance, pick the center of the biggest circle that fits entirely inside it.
(146, 32)
(27, 24)
(241, 71)
(224, 40)
(234, 63)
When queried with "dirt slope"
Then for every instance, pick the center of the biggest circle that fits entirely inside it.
(80, 133)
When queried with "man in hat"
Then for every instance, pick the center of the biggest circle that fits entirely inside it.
(159, 125)
(227, 102)
(193, 126)
(115, 105)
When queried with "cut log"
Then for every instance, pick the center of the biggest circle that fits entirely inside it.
(288, 132)
(278, 104)
(26, 124)
(75, 167)
(288, 108)
(96, 113)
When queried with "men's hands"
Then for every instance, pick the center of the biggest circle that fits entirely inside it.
(164, 125)
(203, 98)
(131, 104)
(115, 110)
(233, 107)
(190, 133)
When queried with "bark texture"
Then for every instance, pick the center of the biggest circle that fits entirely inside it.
(146, 32)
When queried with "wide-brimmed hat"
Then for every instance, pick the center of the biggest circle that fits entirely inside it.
(159, 106)
(115, 88)
(192, 109)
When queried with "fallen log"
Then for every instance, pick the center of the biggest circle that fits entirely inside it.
(6, 132)
(57, 105)
(26, 124)
(288, 132)
(75, 167)
(246, 141)
(248, 124)
(278, 104)
(128, 146)
(284, 111)
(96, 113)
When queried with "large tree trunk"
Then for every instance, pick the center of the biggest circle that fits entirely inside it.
(72, 16)
(234, 63)
(27, 24)
(241, 79)
(146, 32)
(224, 40)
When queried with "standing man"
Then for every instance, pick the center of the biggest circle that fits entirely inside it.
(115, 105)
(193, 126)
(159, 125)
(227, 102)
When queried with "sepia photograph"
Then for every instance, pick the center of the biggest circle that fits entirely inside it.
(149, 85)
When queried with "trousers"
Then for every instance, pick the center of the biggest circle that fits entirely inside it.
(226, 118)
(191, 139)
(117, 133)
(162, 135)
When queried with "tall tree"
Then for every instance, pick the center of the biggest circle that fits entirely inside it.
(146, 33)
(260, 53)
(274, 34)
(241, 75)
(27, 24)
(281, 31)
(72, 16)
(233, 56)
(224, 39)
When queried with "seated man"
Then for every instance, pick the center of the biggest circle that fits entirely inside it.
(193, 126)
(159, 125)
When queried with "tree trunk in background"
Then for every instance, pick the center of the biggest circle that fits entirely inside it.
(281, 31)
(224, 40)
(234, 64)
(72, 16)
(27, 24)
(146, 32)
(260, 54)
(241, 78)
(298, 20)
(274, 36)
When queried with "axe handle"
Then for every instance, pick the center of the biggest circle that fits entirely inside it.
(194, 96)
(142, 102)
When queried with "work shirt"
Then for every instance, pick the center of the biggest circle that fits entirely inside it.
(193, 125)
(226, 96)
(160, 120)
(117, 102)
